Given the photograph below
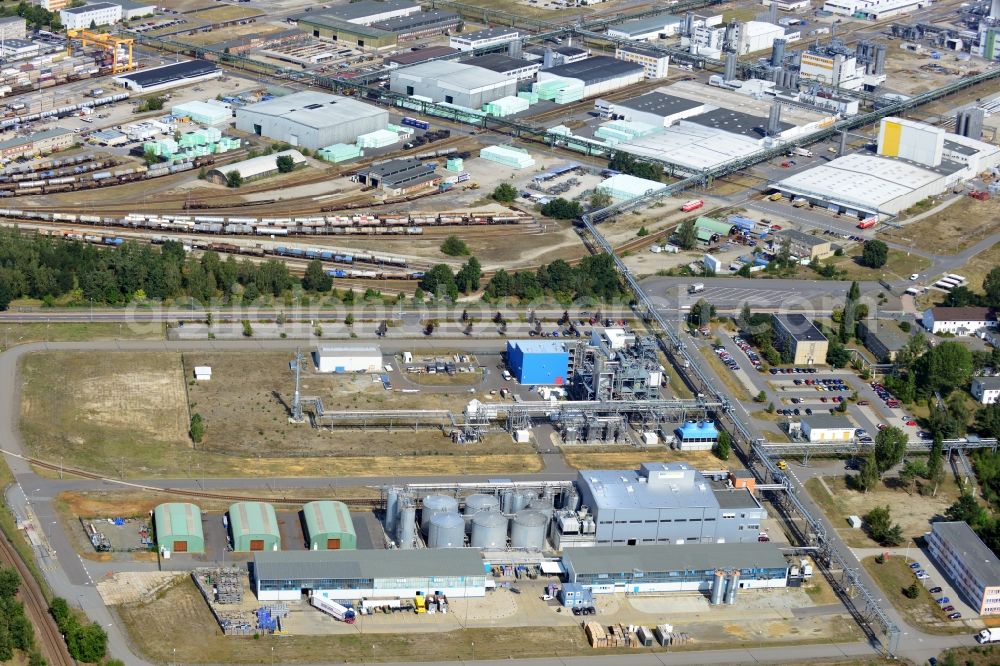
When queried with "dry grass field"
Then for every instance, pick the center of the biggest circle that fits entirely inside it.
(221, 13)
(893, 575)
(127, 412)
(961, 224)
(616, 458)
(12, 334)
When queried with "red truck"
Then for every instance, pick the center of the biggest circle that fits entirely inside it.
(980, 195)
(868, 223)
(694, 204)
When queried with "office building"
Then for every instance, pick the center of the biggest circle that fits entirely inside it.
(798, 339)
(971, 567)
(92, 15)
(655, 64)
(959, 321)
(986, 389)
(481, 39)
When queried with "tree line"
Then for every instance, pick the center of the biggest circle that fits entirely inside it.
(86, 642)
(47, 268)
(16, 630)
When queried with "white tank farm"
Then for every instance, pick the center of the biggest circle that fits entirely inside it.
(527, 530)
(481, 502)
(447, 530)
(489, 530)
(435, 504)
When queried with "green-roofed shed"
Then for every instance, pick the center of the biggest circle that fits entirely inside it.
(254, 527)
(715, 226)
(329, 526)
(178, 528)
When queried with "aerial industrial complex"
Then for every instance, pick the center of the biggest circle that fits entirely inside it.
(397, 331)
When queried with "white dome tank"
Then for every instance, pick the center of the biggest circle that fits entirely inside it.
(527, 530)
(447, 530)
(435, 504)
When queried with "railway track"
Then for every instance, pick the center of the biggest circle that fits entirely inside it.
(352, 502)
(36, 608)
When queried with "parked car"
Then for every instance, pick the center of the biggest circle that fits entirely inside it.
(935, 590)
(954, 616)
(922, 575)
(944, 600)
(915, 565)
(948, 609)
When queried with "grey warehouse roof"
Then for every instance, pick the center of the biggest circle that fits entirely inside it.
(959, 148)
(976, 556)
(659, 559)
(358, 10)
(418, 20)
(457, 74)
(596, 69)
(642, 26)
(31, 138)
(799, 326)
(659, 103)
(314, 109)
(561, 50)
(173, 72)
(988, 383)
(802, 238)
(89, 8)
(659, 486)
(353, 564)
(736, 122)
(486, 33)
(497, 62)
(889, 334)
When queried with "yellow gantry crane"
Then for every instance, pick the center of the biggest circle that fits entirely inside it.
(108, 43)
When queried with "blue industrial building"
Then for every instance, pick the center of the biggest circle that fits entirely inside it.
(697, 436)
(538, 361)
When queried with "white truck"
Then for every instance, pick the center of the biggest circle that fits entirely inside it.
(803, 152)
(988, 636)
(331, 607)
(696, 288)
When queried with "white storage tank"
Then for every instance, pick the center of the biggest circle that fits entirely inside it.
(435, 504)
(527, 530)
(407, 526)
(446, 530)
(489, 530)
(519, 501)
(476, 504)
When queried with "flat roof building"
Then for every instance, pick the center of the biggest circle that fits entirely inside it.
(420, 24)
(178, 528)
(672, 569)
(418, 56)
(46, 141)
(322, 25)
(655, 63)
(512, 68)
(653, 27)
(353, 574)
(971, 567)
(481, 39)
(169, 76)
(94, 14)
(798, 339)
(367, 12)
(399, 176)
(538, 361)
(666, 503)
(133, 10)
(559, 55)
(253, 168)
(597, 74)
(254, 527)
(13, 27)
(348, 358)
(986, 389)
(311, 119)
(329, 526)
(827, 428)
(452, 82)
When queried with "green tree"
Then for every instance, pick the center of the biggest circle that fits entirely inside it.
(504, 193)
(874, 254)
(247, 328)
(991, 287)
(454, 246)
(687, 235)
(935, 460)
(643, 232)
(599, 198)
(561, 209)
(316, 278)
(911, 592)
(723, 446)
(912, 470)
(947, 366)
(469, 276)
(761, 397)
(87, 643)
(967, 509)
(890, 447)
(197, 429)
(440, 281)
(234, 179)
(849, 315)
(744, 319)
(285, 163)
(150, 157)
(868, 475)
(10, 582)
(880, 527)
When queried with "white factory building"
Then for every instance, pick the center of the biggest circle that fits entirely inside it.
(452, 83)
(482, 39)
(961, 321)
(913, 162)
(656, 108)
(311, 119)
(348, 358)
(827, 428)
(656, 65)
(875, 10)
(96, 14)
(598, 74)
(749, 37)
(836, 69)
(652, 27)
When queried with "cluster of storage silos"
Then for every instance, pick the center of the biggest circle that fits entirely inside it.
(516, 519)
(724, 587)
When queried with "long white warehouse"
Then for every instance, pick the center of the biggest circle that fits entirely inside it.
(348, 358)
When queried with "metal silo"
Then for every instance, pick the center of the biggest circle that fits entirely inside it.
(435, 504)
(718, 587)
(734, 584)
(407, 526)
(527, 530)
(478, 503)
(570, 499)
(446, 530)
(489, 530)
(519, 501)
(391, 510)
(507, 501)
(542, 505)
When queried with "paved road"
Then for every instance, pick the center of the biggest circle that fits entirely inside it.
(71, 577)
